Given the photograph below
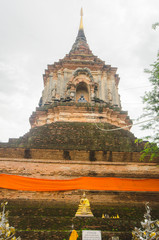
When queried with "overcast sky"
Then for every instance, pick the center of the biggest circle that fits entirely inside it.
(34, 33)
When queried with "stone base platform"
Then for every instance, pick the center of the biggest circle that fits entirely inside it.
(49, 219)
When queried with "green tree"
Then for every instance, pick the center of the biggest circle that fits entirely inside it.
(151, 109)
(154, 26)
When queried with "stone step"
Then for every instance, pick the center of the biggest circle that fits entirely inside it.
(44, 219)
(64, 223)
(53, 208)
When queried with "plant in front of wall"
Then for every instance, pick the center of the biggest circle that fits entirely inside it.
(6, 232)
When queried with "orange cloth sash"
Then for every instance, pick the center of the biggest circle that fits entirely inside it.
(83, 183)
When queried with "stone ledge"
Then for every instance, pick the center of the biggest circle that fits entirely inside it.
(67, 169)
(104, 198)
(47, 161)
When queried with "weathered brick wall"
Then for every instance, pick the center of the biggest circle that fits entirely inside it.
(12, 152)
(105, 198)
(72, 155)
(63, 169)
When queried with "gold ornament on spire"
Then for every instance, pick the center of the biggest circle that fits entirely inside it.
(81, 22)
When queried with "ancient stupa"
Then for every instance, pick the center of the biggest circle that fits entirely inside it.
(79, 140)
(80, 107)
(77, 82)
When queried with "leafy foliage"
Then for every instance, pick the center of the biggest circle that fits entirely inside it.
(151, 102)
(155, 25)
(150, 149)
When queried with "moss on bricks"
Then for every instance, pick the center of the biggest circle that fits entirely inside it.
(77, 136)
(53, 220)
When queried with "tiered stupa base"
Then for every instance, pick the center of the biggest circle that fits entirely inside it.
(80, 112)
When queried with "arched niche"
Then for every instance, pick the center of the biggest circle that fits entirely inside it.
(82, 84)
(82, 93)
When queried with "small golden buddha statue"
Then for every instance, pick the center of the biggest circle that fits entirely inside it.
(84, 209)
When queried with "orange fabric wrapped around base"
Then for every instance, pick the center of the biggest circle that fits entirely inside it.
(83, 183)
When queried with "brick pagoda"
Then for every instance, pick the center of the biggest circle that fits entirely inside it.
(79, 130)
(78, 80)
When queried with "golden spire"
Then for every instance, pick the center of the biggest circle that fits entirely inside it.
(81, 22)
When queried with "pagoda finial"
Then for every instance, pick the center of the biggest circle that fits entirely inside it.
(81, 41)
(81, 22)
